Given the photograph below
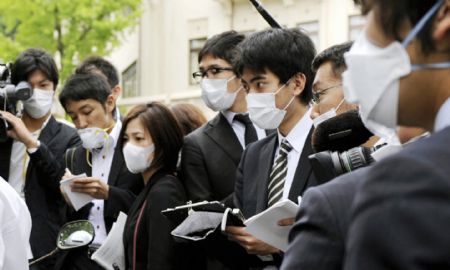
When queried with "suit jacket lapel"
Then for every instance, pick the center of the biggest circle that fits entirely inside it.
(262, 180)
(303, 170)
(223, 134)
(50, 131)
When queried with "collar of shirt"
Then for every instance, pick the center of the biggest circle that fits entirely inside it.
(297, 136)
(229, 115)
(112, 138)
(37, 132)
(443, 117)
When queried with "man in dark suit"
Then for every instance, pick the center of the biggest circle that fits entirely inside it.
(88, 100)
(401, 213)
(31, 159)
(211, 154)
(276, 72)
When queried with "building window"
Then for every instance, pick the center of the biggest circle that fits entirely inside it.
(312, 30)
(356, 26)
(129, 82)
(195, 46)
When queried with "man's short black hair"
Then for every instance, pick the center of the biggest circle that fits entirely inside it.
(31, 60)
(393, 14)
(85, 86)
(284, 52)
(334, 55)
(222, 46)
(96, 64)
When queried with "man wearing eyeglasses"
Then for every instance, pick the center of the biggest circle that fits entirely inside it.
(211, 154)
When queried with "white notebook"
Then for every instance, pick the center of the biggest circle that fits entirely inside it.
(264, 225)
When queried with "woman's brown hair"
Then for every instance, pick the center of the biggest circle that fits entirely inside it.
(189, 116)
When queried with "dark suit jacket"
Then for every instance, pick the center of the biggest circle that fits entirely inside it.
(317, 240)
(401, 213)
(209, 160)
(252, 180)
(156, 248)
(123, 188)
(252, 177)
(44, 172)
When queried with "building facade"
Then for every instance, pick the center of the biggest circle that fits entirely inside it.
(157, 58)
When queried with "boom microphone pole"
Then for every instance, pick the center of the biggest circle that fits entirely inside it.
(269, 19)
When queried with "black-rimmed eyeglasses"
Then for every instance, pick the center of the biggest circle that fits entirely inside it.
(209, 73)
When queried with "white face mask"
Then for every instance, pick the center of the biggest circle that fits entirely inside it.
(138, 158)
(93, 138)
(328, 115)
(373, 77)
(215, 93)
(39, 104)
(263, 111)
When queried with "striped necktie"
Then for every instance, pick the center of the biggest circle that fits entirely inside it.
(278, 174)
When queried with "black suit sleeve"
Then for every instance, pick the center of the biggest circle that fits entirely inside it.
(193, 171)
(50, 168)
(314, 239)
(400, 218)
(161, 246)
(119, 199)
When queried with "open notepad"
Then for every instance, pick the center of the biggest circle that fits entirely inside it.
(77, 199)
(264, 225)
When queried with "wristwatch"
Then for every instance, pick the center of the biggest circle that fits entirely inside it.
(34, 149)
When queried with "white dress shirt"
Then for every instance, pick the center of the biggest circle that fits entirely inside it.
(101, 166)
(443, 117)
(18, 163)
(297, 138)
(239, 128)
(15, 229)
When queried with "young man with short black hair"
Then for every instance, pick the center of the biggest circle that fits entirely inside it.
(100, 66)
(88, 100)
(31, 160)
(206, 176)
(276, 73)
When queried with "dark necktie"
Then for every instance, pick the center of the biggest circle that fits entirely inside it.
(278, 174)
(250, 131)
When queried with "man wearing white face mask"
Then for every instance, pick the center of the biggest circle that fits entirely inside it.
(401, 212)
(276, 65)
(211, 154)
(31, 161)
(88, 100)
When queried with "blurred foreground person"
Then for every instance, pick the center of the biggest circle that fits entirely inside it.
(398, 71)
(15, 229)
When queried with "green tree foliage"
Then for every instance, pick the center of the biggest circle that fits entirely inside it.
(69, 29)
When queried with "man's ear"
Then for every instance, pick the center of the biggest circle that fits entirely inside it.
(299, 81)
(441, 33)
(116, 91)
(110, 103)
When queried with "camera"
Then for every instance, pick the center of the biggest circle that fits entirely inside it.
(9, 95)
(328, 165)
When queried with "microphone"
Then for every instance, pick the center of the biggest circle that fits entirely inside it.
(269, 19)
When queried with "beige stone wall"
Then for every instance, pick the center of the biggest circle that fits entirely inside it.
(160, 44)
